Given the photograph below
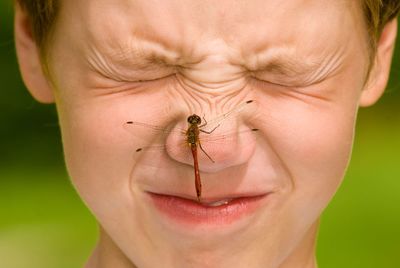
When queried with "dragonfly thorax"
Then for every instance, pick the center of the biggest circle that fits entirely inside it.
(194, 119)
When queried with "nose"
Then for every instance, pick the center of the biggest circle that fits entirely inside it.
(217, 147)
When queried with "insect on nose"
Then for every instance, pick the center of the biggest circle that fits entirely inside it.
(216, 144)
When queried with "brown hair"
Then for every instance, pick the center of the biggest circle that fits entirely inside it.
(377, 13)
(43, 14)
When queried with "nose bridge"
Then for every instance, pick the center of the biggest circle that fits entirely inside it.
(214, 68)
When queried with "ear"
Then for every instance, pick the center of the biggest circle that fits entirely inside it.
(380, 71)
(29, 58)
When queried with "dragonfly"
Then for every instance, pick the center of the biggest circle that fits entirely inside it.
(192, 137)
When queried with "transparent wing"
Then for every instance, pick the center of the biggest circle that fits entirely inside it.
(245, 107)
(146, 134)
(136, 128)
(204, 138)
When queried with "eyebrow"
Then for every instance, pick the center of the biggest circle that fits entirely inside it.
(285, 64)
(296, 69)
(140, 61)
(139, 56)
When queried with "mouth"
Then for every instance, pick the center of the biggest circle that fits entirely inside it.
(210, 211)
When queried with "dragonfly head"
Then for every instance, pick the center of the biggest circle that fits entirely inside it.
(194, 119)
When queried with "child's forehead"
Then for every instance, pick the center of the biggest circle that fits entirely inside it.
(177, 21)
(176, 33)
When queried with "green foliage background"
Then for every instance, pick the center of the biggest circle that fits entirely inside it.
(43, 223)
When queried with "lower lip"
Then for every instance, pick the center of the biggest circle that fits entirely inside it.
(193, 213)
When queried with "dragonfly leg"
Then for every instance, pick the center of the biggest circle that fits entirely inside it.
(205, 121)
(209, 132)
(209, 157)
(205, 124)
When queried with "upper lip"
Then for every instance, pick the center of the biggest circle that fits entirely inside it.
(211, 199)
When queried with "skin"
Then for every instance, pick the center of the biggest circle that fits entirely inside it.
(305, 63)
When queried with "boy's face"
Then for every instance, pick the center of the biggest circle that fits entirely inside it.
(303, 62)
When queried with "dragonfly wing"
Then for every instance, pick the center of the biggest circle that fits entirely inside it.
(149, 141)
(133, 127)
(227, 137)
(158, 153)
(213, 123)
(160, 156)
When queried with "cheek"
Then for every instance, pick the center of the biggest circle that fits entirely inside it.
(314, 146)
(321, 146)
(97, 153)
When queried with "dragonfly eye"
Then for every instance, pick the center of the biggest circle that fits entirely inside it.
(194, 119)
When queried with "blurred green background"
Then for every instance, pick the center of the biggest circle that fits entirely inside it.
(43, 223)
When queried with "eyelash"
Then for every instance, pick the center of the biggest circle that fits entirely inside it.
(265, 83)
(153, 80)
